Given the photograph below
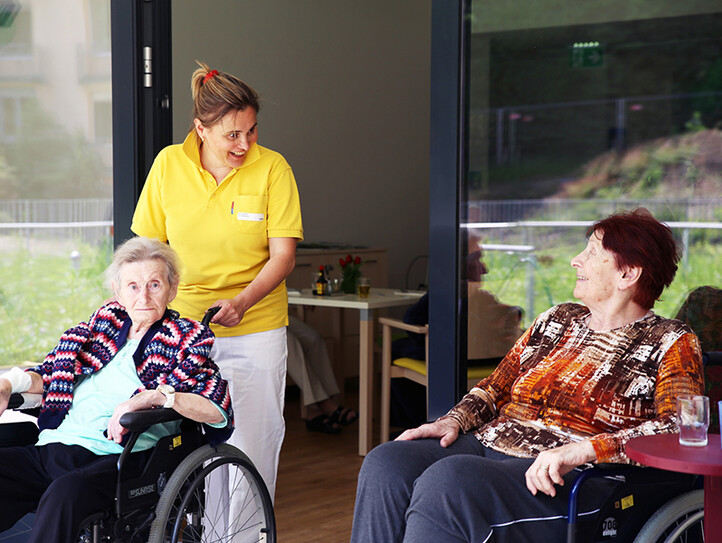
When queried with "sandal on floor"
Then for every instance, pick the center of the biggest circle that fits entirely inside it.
(323, 424)
(344, 416)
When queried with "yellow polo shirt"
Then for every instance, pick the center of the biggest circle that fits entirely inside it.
(221, 231)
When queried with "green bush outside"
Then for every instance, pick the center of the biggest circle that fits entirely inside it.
(41, 296)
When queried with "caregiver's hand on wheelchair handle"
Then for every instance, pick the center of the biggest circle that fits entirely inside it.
(230, 314)
(446, 430)
(550, 466)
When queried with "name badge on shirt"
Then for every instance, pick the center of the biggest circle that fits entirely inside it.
(243, 216)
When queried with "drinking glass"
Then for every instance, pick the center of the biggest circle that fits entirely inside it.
(692, 420)
(364, 287)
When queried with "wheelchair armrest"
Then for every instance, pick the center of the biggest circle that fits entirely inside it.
(140, 421)
(24, 400)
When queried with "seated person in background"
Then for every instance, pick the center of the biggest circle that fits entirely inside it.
(580, 382)
(702, 311)
(493, 328)
(310, 368)
(132, 354)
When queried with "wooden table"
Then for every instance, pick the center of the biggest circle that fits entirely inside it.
(664, 451)
(379, 298)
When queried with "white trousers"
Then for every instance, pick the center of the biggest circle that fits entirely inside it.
(308, 362)
(255, 367)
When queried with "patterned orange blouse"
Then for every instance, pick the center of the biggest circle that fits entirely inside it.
(563, 382)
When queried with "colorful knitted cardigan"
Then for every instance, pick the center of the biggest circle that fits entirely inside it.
(174, 351)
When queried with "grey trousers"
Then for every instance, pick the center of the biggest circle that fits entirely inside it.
(417, 491)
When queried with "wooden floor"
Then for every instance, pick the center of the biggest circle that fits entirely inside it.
(316, 480)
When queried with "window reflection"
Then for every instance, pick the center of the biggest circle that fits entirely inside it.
(55, 169)
(579, 112)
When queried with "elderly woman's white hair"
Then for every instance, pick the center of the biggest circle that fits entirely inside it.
(140, 249)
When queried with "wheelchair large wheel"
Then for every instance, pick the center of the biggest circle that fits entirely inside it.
(195, 505)
(679, 520)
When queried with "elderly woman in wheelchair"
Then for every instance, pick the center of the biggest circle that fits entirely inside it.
(577, 385)
(132, 354)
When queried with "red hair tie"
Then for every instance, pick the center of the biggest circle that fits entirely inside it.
(210, 75)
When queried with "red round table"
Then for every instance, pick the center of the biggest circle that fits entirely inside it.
(663, 451)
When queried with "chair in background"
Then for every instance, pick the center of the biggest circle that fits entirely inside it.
(409, 368)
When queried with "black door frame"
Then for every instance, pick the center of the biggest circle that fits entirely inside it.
(447, 341)
(141, 86)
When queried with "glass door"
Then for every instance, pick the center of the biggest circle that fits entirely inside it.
(56, 211)
(574, 113)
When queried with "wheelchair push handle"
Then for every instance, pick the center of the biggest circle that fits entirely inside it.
(209, 315)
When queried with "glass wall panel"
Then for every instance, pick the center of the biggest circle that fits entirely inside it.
(55, 170)
(576, 110)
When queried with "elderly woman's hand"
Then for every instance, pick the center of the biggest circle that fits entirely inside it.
(447, 430)
(550, 466)
(142, 400)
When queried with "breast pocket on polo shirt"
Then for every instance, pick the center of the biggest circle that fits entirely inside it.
(249, 213)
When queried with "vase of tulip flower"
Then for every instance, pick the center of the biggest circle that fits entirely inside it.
(350, 273)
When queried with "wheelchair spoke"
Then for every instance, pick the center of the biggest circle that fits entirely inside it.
(682, 534)
(222, 500)
(680, 520)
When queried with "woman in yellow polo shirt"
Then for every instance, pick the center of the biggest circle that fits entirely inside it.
(231, 210)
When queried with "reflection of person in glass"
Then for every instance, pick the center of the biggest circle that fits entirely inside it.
(580, 382)
(493, 328)
(230, 207)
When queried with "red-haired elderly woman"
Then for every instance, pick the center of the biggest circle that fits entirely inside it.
(575, 387)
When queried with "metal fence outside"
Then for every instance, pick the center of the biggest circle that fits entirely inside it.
(544, 223)
(522, 222)
(32, 223)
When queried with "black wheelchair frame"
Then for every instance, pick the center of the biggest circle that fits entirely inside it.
(166, 501)
(648, 506)
(170, 498)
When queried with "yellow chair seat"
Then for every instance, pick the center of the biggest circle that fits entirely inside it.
(410, 368)
(419, 366)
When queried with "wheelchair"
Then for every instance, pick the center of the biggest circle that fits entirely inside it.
(171, 498)
(648, 506)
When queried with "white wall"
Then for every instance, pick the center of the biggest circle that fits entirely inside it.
(345, 98)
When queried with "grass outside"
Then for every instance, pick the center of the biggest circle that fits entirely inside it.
(554, 277)
(41, 296)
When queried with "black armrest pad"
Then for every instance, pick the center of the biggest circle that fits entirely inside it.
(16, 400)
(139, 421)
(25, 400)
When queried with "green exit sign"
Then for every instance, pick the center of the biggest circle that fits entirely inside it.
(589, 54)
